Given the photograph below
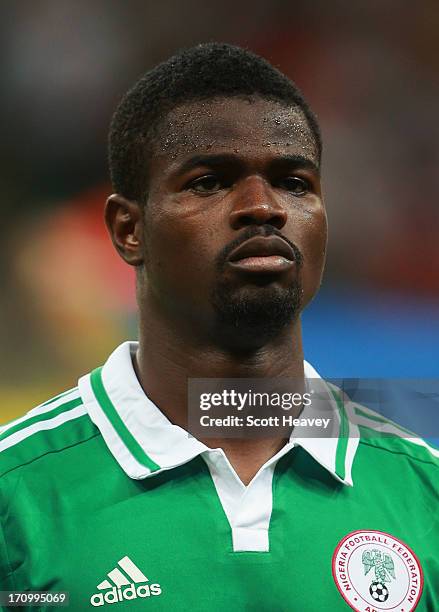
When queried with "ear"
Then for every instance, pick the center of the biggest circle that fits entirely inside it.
(124, 222)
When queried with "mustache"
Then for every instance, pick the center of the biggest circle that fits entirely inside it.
(250, 232)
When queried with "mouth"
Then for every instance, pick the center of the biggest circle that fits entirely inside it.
(261, 255)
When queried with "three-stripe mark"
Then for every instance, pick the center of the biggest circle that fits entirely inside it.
(119, 578)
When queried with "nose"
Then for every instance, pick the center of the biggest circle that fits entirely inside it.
(255, 203)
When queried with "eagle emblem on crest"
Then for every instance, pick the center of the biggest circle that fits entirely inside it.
(383, 564)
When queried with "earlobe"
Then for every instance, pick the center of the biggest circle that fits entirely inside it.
(124, 222)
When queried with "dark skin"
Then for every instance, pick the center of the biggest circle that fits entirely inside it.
(219, 168)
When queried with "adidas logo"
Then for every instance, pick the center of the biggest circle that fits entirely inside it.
(124, 582)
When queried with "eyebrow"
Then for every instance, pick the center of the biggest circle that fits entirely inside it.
(297, 162)
(292, 161)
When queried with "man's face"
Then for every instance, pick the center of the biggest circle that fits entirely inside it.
(235, 227)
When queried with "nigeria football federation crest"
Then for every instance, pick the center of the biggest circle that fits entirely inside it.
(375, 571)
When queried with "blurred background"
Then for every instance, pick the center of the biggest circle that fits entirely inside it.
(368, 68)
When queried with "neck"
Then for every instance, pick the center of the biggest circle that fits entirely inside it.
(168, 356)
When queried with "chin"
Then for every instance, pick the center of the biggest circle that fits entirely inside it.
(257, 314)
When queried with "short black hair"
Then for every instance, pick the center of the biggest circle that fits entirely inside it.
(210, 70)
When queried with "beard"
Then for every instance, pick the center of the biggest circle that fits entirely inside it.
(259, 314)
(252, 315)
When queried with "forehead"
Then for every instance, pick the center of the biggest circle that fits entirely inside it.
(234, 124)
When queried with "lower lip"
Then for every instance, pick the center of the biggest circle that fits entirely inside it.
(267, 264)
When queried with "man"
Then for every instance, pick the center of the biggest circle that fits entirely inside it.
(215, 162)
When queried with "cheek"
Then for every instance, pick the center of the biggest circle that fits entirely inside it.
(179, 251)
(313, 247)
(317, 238)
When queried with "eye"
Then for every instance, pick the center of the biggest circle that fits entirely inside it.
(295, 185)
(205, 184)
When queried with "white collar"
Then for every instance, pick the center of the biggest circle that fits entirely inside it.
(145, 442)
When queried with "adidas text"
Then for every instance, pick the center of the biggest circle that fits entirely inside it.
(115, 595)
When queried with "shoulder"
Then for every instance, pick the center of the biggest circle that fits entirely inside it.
(58, 424)
(384, 436)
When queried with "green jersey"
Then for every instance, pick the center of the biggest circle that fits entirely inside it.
(101, 496)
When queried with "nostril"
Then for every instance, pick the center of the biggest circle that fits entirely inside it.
(246, 219)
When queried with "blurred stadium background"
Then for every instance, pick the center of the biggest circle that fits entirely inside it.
(369, 70)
